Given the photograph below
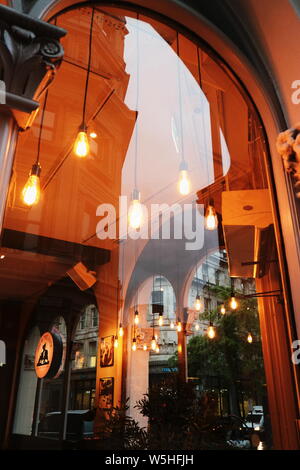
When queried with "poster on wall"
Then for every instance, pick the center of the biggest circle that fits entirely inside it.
(107, 351)
(106, 393)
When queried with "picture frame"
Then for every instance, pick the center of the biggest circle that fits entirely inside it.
(107, 351)
(106, 393)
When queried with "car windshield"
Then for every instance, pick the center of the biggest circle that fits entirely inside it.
(254, 418)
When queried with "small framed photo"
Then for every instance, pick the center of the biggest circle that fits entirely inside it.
(106, 393)
(107, 351)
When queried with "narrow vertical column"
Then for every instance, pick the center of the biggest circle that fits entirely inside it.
(8, 137)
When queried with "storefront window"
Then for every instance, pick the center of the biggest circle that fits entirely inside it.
(161, 213)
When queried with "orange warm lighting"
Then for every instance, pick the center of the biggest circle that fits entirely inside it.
(211, 220)
(250, 338)
(198, 303)
(31, 192)
(82, 146)
(153, 343)
(211, 332)
(223, 309)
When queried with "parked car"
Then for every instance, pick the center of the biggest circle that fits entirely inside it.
(79, 425)
(255, 419)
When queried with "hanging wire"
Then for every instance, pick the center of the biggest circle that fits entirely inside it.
(179, 98)
(137, 99)
(89, 67)
(41, 127)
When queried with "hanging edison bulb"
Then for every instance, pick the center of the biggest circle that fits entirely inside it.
(116, 342)
(157, 349)
(145, 347)
(184, 184)
(81, 145)
(250, 338)
(136, 317)
(172, 324)
(197, 327)
(198, 304)
(153, 343)
(160, 319)
(211, 219)
(133, 347)
(223, 309)
(31, 192)
(135, 212)
(211, 331)
(233, 303)
(121, 330)
(179, 327)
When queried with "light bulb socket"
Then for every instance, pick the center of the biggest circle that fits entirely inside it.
(136, 195)
(36, 169)
(83, 127)
(183, 166)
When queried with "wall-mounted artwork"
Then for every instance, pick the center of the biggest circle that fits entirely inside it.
(107, 351)
(106, 393)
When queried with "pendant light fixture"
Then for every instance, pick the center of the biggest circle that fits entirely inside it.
(133, 346)
(184, 185)
(31, 192)
(135, 212)
(211, 219)
(172, 324)
(233, 303)
(198, 303)
(223, 309)
(249, 338)
(211, 331)
(136, 317)
(81, 145)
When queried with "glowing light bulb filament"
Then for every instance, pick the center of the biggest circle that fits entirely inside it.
(81, 146)
(233, 303)
(211, 332)
(250, 338)
(198, 303)
(211, 220)
(135, 213)
(153, 343)
(31, 191)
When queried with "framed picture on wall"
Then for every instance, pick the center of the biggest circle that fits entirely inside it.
(107, 351)
(106, 393)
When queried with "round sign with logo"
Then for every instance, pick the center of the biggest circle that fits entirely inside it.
(48, 355)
